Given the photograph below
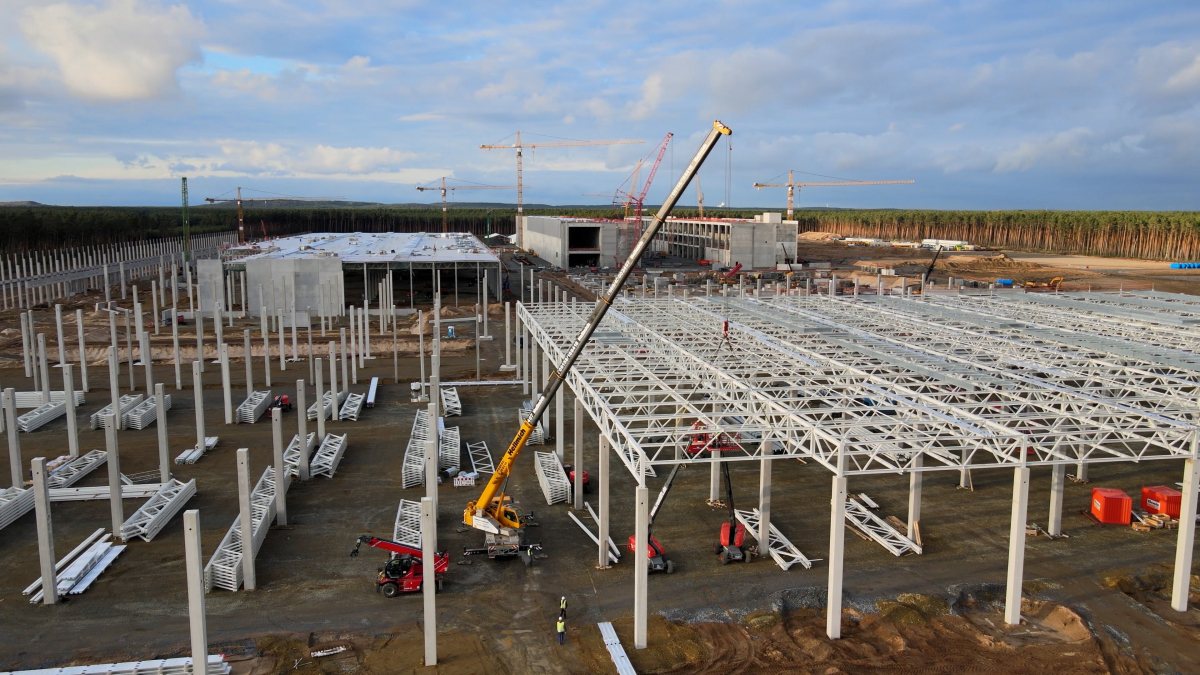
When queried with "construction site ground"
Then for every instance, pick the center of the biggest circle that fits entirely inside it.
(1095, 601)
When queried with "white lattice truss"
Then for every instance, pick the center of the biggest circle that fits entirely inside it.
(860, 518)
(412, 470)
(869, 385)
(291, 454)
(70, 472)
(253, 407)
(782, 550)
(41, 416)
(407, 529)
(551, 477)
(148, 520)
(352, 407)
(327, 397)
(126, 403)
(451, 403)
(328, 456)
(14, 503)
(145, 412)
(481, 458)
(224, 568)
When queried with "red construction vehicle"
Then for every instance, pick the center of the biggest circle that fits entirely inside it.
(283, 403)
(404, 572)
(704, 442)
(733, 533)
(657, 555)
(570, 471)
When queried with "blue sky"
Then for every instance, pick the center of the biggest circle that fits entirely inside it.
(987, 105)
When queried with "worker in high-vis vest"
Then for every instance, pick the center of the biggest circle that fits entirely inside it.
(562, 629)
(562, 607)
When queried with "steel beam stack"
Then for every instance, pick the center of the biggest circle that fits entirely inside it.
(180, 666)
(33, 399)
(79, 568)
(68, 473)
(41, 416)
(328, 456)
(144, 413)
(192, 455)
(878, 529)
(451, 403)
(253, 407)
(224, 568)
(352, 407)
(551, 477)
(127, 402)
(148, 520)
(14, 503)
(783, 552)
(291, 454)
(327, 399)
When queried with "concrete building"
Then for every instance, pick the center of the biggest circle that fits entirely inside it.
(758, 243)
(340, 269)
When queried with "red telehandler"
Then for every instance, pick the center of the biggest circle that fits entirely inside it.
(403, 573)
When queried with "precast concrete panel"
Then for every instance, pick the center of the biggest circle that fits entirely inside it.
(211, 278)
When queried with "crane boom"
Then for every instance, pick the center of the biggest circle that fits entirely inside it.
(444, 188)
(488, 513)
(793, 186)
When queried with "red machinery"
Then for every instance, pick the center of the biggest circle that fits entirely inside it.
(655, 554)
(570, 471)
(1111, 506)
(404, 572)
(282, 402)
(704, 442)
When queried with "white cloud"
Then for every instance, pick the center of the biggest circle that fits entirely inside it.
(1068, 146)
(1170, 69)
(957, 127)
(121, 50)
(321, 160)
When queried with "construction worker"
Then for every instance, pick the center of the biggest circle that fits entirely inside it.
(562, 628)
(562, 607)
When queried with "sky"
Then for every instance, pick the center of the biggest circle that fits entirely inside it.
(985, 105)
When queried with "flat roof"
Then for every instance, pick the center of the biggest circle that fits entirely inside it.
(372, 247)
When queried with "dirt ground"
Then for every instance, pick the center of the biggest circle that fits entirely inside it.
(1095, 599)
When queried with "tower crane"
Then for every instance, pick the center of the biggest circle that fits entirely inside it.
(637, 199)
(281, 198)
(794, 187)
(519, 146)
(444, 188)
(493, 512)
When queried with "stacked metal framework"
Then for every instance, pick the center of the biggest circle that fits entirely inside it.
(253, 407)
(126, 403)
(224, 568)
(150, 519)
(144, 413)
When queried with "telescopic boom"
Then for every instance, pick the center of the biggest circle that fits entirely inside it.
(488, 513)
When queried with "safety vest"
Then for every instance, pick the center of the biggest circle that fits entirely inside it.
(562, 604)
(562, 626)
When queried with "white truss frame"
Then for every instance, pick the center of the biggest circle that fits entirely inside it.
(253, 407)
(224, 568)
(451, 403)
(782, 551)
(325, 461)
(860, 386)
(551, 477)
(407, 529)
(352, 407)
(860, 518)
(481, 457)
(150, 519)
(69, 473)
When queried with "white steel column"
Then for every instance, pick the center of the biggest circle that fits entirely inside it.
(302, 426)
(45, 531)
(333, 382)
(578, 444)
(114, 384)
(431, 453)
(1058, 481)
(62, 352)
(640, 566)
(428, 582)
(319, 365)
(198, 401)
(249, 581)
(915, 480)
(602, 487)
(507, 334)
(44, 367)
(164, 453)
(281, 477)
(224, 356)
(714, 477)
(197, 621)
(1016, 546)
(72, 423)
(1187, 536)
(559, 430)
(116, 507)
(764, 500)
(14, 442)
(83, 377)
(837, 554)
(246, 349)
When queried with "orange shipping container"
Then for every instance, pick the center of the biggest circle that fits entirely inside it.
(1111, 506)
(1161, 499)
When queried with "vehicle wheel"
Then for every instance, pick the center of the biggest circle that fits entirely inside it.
(724, 557)
(716, 548)
(670, 566)
(390, 590)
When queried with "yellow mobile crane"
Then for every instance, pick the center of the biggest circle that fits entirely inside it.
(493, 513)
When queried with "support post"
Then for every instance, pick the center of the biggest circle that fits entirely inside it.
(302, 428)
(1186, 538)
(559, 431)
(640, 565)
(224, 355)
(915, 483)
(114, 384)
(320, 368)
(507, 334)
(764, 500)
(281, 477)
(164, 454)
(249, 581)
(431, 453)
(249, 362)
(1058, 481)
(62, 352)
(72, 423)
(602, 488)
(198, 399)
(578, 444)
(197, 621)
(1016, 546)
(837, 554)
(14, 442)
(83, 377)
(428, 590)
(116, 507)
(714, 476)
(333, 382)
(43, 367)
(45, 531)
